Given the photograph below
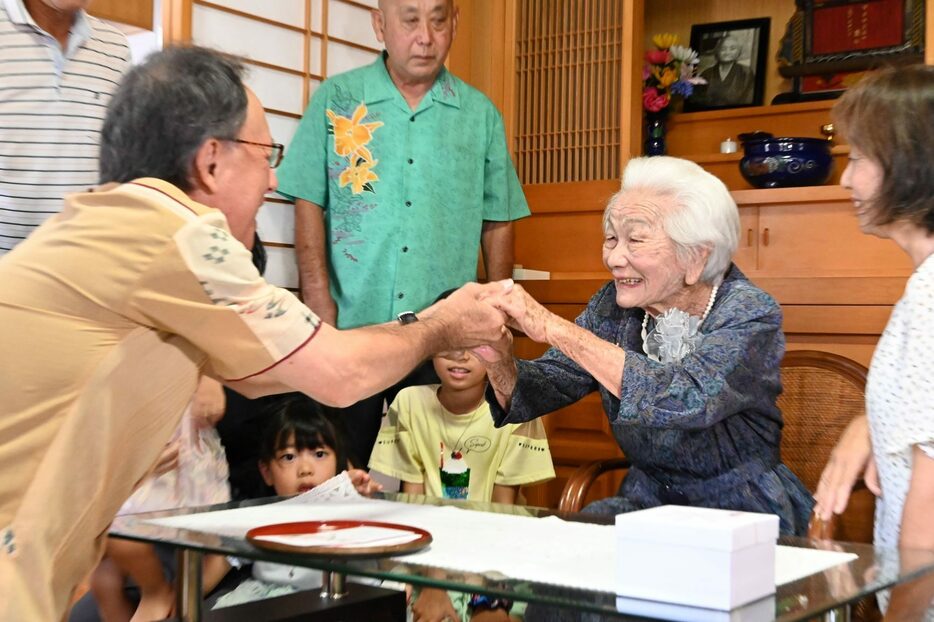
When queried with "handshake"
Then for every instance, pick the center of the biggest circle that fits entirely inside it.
(476, 317)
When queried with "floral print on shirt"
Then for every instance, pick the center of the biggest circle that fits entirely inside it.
(351, 136)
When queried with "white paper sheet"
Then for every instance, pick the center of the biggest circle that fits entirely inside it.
(544, 550)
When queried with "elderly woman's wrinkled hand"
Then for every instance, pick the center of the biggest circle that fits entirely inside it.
(849, 460)
(525, 313)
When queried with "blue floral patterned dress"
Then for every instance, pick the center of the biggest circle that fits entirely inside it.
(704, 431)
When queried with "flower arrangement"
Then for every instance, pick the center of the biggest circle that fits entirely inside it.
(668, 71)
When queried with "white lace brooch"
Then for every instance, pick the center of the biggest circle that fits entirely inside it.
(673, 337)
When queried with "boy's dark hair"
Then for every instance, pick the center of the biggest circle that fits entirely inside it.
(310, 423)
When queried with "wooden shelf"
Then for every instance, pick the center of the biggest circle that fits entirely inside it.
(811, 194)
(751, 112)
(720, 158)
(697, 135)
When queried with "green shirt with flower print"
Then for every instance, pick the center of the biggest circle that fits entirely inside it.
(405, 193)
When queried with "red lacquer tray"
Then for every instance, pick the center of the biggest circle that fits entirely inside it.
(255, 537)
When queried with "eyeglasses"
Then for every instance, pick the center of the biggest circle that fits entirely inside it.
(275, 156)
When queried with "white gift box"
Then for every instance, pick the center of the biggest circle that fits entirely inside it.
(762, 610)
(700, 557)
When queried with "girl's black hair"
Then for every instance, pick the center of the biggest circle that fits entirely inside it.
(311, 425)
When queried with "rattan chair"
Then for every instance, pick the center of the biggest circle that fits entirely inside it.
(822, 393)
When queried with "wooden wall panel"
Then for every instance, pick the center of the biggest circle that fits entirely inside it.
(560, 242)
(138, 13)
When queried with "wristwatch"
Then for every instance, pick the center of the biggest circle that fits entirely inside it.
(481, 602)
(407, 317)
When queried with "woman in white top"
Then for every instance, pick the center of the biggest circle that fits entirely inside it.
(888, 120)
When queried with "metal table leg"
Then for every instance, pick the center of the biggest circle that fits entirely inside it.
(188, 585)
(840, 614)
(333, 585)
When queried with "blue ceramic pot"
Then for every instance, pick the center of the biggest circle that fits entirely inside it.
(786, 162)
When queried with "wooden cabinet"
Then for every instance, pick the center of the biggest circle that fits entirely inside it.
(835, 283)
(810, 232)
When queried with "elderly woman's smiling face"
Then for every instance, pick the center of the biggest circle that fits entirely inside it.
(641, 257)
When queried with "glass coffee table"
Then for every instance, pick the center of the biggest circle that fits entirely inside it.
(828, 593)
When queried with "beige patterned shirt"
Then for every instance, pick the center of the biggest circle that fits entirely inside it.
(107, 314)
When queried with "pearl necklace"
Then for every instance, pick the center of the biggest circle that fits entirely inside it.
(710, 301)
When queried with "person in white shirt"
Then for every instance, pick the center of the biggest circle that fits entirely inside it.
(888, 120)
(59, 68)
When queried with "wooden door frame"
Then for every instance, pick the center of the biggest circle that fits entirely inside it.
(176, 21)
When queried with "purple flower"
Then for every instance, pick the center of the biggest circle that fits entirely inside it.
(682, 88)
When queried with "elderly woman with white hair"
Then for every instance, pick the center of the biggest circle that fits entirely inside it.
(683, 348)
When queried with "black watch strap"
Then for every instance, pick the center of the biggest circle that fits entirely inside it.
(407, 317)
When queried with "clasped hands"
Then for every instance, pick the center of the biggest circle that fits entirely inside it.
(483, 313)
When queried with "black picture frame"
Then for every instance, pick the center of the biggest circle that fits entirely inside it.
(744, 83)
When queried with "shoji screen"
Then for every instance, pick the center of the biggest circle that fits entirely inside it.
(569, 68)
(290, 46)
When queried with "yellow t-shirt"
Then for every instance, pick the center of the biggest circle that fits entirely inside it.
(422, 436)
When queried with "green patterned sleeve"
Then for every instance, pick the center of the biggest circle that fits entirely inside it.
(304, 170)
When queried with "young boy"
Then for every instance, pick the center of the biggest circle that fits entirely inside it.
(441, 442)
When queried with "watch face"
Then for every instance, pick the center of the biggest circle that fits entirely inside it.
(407, 317)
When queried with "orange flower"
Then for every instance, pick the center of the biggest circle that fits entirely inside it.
(359, 176)
(666, 77)
(350, 135)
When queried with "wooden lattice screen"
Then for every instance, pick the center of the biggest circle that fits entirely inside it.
(569, 64)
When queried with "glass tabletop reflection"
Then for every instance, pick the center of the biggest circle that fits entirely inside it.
(828, 590)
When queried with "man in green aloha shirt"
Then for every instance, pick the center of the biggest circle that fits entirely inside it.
(400, 173)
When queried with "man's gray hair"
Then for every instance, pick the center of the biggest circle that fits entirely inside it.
(705, 215)
(165, 109)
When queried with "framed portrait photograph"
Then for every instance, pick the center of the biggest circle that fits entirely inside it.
(732, 61)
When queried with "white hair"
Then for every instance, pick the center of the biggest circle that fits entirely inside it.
(706, 215)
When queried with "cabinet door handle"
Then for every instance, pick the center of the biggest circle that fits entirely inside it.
(749, 238)
(765, 237)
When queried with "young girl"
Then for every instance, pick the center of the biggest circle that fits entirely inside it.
(300, 449)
